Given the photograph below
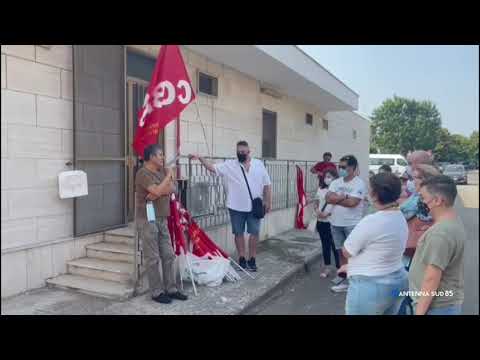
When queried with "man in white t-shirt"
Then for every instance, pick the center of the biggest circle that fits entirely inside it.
(347, 193)
(239, 202)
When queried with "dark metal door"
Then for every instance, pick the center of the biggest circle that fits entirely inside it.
(100, 136)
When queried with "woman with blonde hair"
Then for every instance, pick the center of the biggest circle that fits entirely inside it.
(413, 206)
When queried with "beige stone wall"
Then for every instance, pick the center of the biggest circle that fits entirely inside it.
(36, 130)
(36, 125)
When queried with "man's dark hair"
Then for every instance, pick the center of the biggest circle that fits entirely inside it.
(385, 168)
(151, 151)
(242, 143)
(442, 185)
(327, 154)
(386, 186)
(350, 160)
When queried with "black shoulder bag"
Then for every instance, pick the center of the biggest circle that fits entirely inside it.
(258, 211)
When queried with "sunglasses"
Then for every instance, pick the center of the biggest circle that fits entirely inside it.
(342, 167)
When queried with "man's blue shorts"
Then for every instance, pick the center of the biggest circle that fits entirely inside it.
(239, 218)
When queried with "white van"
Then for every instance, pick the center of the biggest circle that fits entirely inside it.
(397, 162)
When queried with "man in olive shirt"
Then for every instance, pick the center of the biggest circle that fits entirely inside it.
(436, 272)
(153, 182)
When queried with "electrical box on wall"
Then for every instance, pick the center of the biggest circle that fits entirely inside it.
(72, 184)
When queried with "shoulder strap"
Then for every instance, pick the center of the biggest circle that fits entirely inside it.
(248, 186)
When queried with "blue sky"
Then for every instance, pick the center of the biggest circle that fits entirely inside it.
(446, 75)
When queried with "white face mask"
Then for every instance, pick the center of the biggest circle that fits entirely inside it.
(328, 181)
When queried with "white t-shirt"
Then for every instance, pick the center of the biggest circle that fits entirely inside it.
(343, 216)
(237, 192)
(320, 196)
(377, 244)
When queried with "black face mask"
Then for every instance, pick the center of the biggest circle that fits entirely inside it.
(242, 157)
(423, 208)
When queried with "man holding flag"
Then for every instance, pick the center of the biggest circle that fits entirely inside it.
(155, 183)
(168, 94)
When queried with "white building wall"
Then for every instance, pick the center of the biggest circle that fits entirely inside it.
(37, 140)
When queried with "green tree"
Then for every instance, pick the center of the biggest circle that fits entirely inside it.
(441, 151)
(400, 125)
(474, 147)
(455, 148)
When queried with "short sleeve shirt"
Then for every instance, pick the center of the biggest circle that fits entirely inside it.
(143, 180)
(238, 197)
(343, 216)
(442, 246)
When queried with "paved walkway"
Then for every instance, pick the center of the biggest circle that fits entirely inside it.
(279, 259)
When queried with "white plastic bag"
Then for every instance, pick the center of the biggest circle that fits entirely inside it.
(209, 272)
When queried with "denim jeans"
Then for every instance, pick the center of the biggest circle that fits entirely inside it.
(340, 234)
(447, 310)
(376, 295)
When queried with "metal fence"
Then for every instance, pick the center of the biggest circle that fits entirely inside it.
(206, 192)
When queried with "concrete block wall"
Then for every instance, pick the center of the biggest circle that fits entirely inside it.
(36, 124)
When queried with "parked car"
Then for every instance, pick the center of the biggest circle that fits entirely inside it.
(397, 162)
(442, 165)
(457, 173)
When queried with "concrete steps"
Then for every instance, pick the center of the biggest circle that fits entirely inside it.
(124, 236)
(117, 271)
(91, 286)
(106, 271)
(111, 251)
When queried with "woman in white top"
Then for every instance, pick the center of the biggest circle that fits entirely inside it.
(374, 251)
(323, 211)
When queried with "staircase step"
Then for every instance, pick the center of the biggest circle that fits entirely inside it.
(126, 231)
(120, 236)
(96, 287)
(101, 269)
(111, 251)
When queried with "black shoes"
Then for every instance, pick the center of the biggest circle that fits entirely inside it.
(242, 262)
(251, 265)
(178, 296)
(162, 299)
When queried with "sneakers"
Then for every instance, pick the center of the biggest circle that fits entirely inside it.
(242, 262)
(343, 287)
(178, 296)
(251, 265)
(162, 299)
(337, 280)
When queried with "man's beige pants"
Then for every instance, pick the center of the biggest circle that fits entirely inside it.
(157, 246)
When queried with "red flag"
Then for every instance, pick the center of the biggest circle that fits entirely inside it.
(175, 227)
(169, 93)
(302, 200)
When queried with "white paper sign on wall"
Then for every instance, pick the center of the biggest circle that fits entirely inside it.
(72, 184)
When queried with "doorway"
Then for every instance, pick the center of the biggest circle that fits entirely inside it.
(139, 71)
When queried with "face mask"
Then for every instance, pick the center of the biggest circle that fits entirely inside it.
(411, 186)
(343, 173)
(423, 208)
(328, 181)
(242, 157)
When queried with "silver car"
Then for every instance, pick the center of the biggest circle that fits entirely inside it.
(457, 173)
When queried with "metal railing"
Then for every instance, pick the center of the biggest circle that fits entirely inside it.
(206, 192)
